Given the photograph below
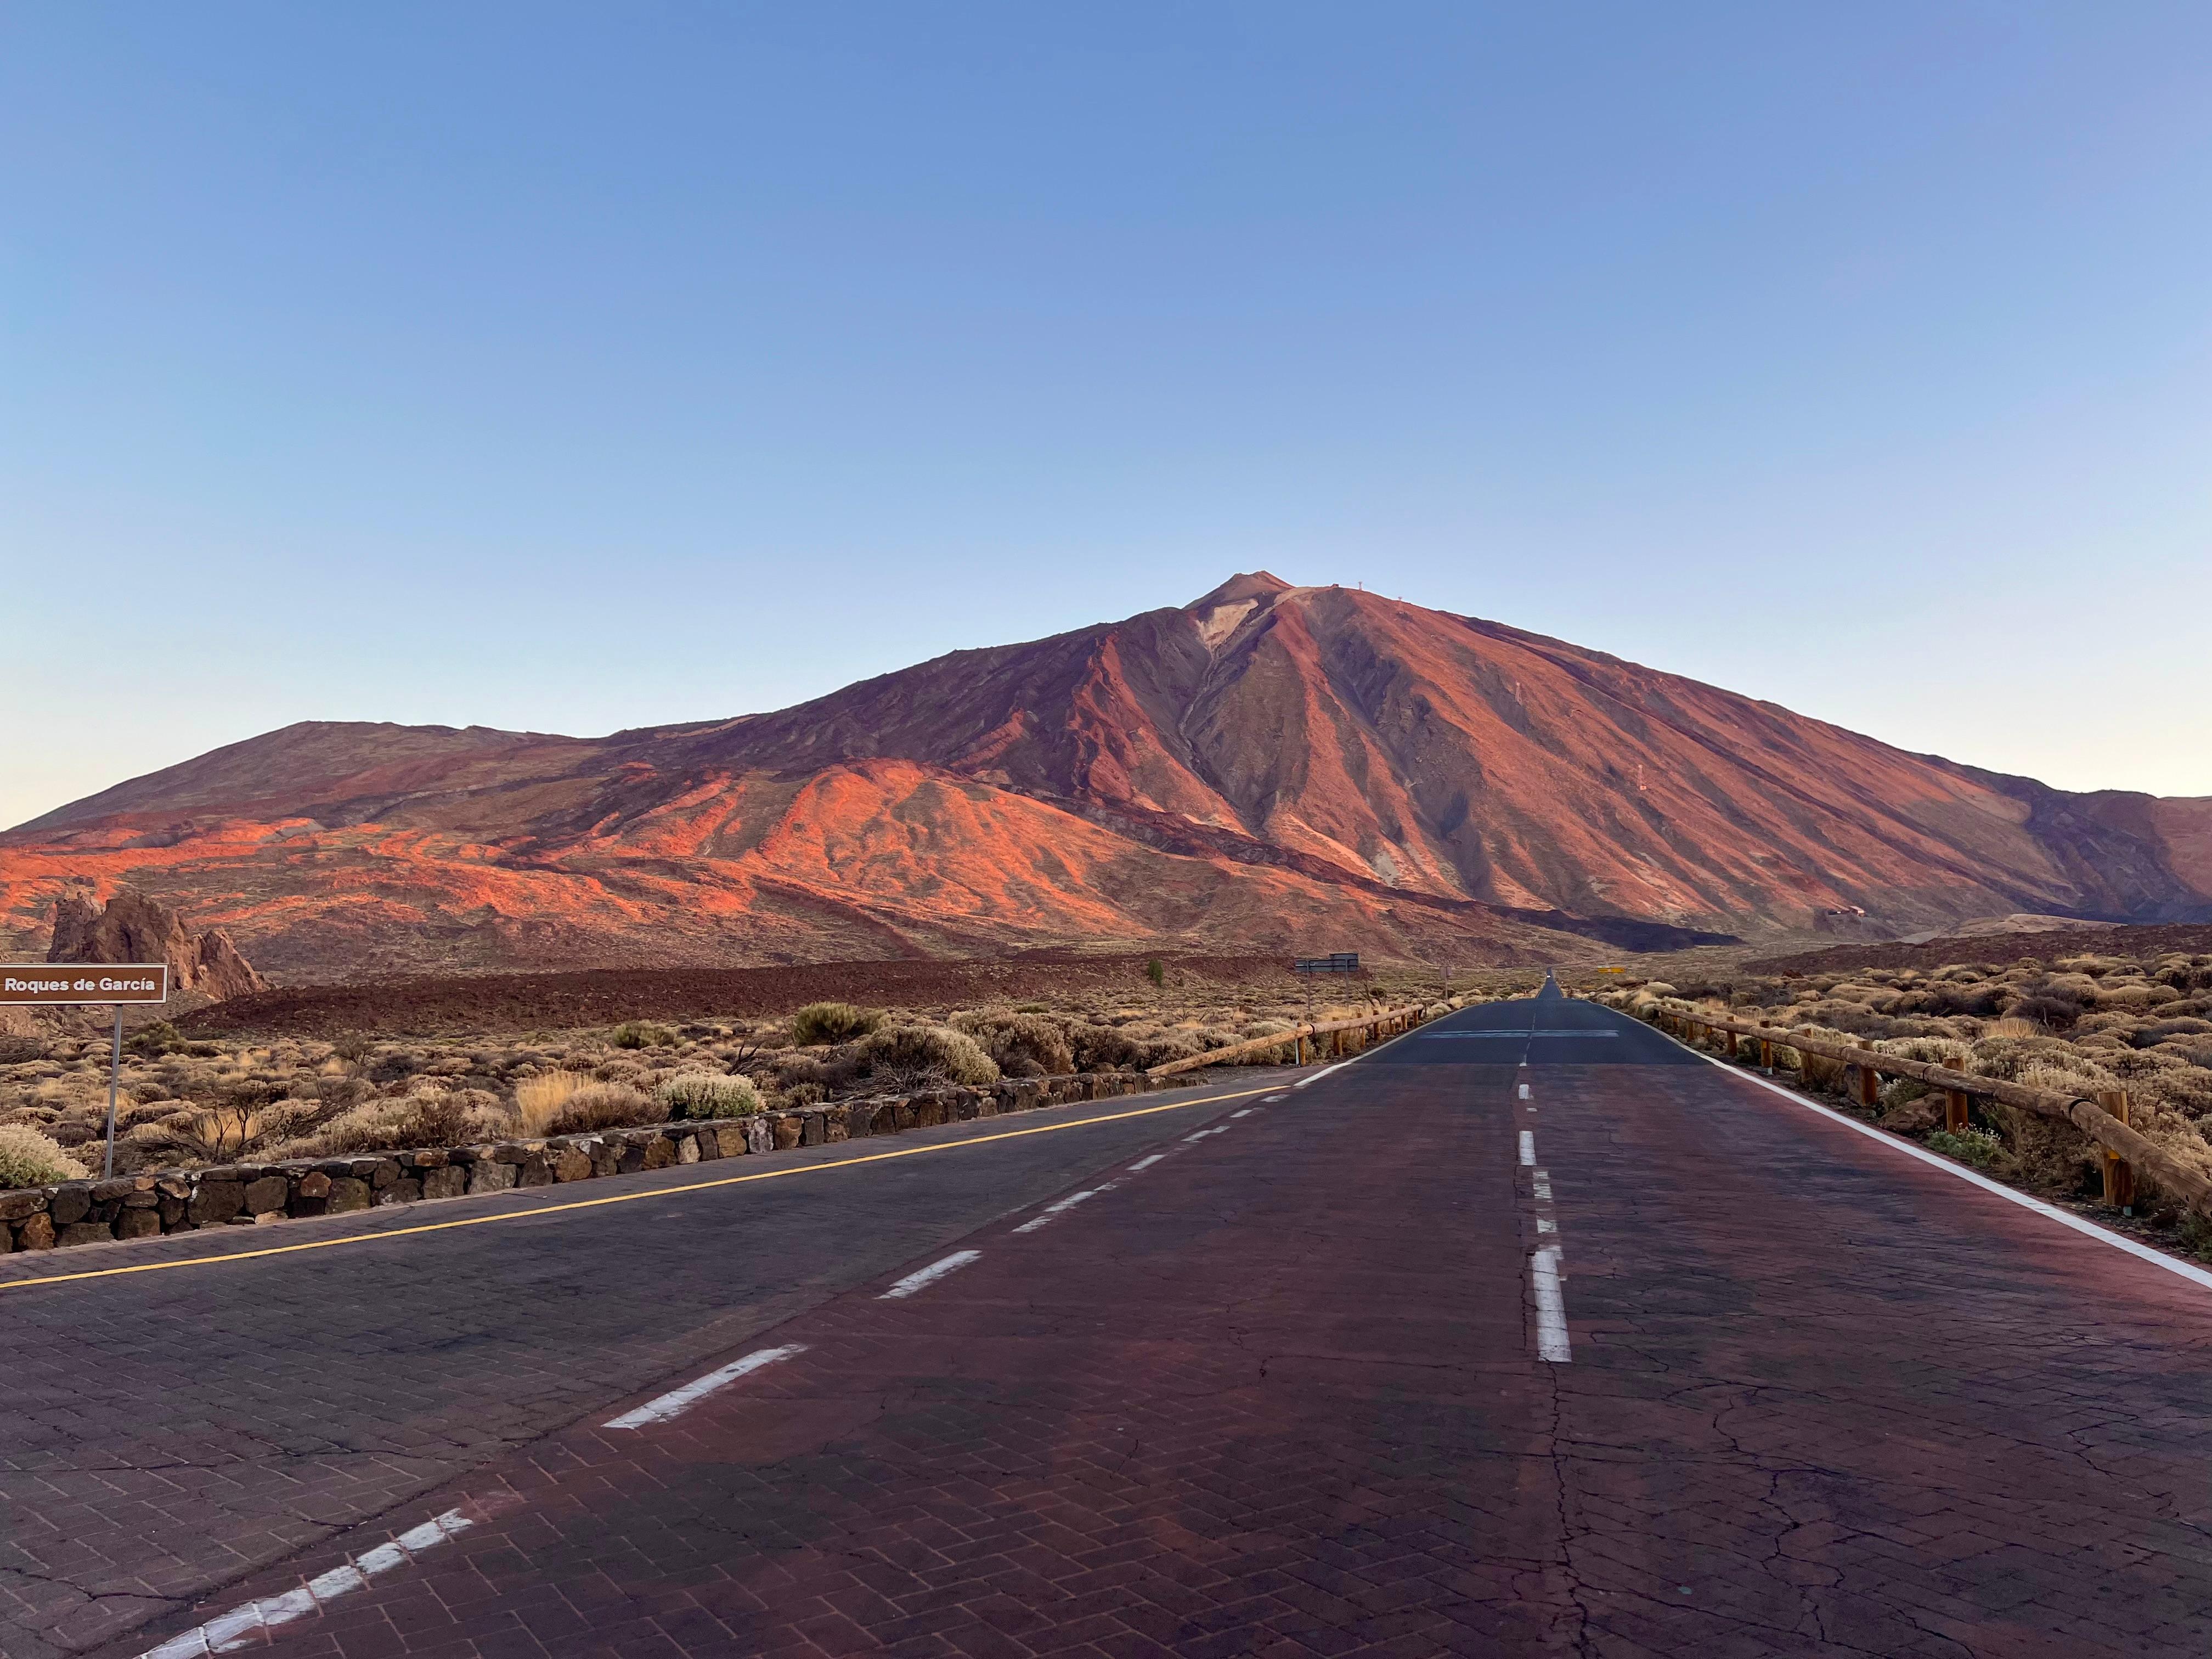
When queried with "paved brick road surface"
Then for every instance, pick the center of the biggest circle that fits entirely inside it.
(1277, 1393)
(166, 1433)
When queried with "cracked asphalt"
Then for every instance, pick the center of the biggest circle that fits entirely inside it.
(1274, 1392)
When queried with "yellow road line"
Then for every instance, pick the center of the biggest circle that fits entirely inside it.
(538, 1210)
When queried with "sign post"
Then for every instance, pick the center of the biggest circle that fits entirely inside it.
(88, 984)
(1337, 962)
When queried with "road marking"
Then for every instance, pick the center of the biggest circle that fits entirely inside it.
(2089, 1229)
(1218, 1129)
(1051, 1210)
(1525, 1094)
(1542, 1181)
(1243, 1111)
(1550, 1306)
(1545, 1226)
(248, 1625)
(677, 1401)
(929, 1275)
(1321, 1073)
(1544, 1032)
(1528, 1149)
(1271, 1099)
(1146, 1163)
(537, 1210)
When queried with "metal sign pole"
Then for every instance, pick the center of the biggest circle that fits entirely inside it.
(114, 1080)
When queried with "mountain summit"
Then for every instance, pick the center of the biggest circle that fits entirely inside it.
(1270, 766)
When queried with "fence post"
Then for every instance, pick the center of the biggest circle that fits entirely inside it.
(1766, 1056)
(1728, 1045)
(2119, 1174)
(1954, 1110)
(1870, 1083)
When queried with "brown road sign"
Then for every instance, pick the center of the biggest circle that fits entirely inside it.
(74, 984)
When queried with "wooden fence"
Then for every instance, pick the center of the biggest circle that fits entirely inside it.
(2102, 1116)
(1323, 1039)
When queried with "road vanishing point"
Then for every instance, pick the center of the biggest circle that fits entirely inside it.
(1528, 1332)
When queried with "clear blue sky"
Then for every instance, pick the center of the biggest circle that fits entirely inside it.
(581, 367)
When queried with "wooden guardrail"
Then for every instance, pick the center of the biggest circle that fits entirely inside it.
(2102, 1116)
(1387, 1023)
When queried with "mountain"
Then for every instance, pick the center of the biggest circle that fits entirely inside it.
(1271, 767)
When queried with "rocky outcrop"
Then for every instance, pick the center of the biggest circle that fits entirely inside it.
(131, 927)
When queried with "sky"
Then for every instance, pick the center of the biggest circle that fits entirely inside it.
(571, 368)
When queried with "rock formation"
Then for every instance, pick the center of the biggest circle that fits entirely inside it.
(134, 927)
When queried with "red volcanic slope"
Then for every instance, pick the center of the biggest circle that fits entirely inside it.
(1270, 767)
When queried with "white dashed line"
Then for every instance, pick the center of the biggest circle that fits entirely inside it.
(1550, 1306)
(1542, 1181)
(249, 1625)
(1528, 1149)
(929, 1275)
(1525, 1094)
(1244, 1111)
(1052, 1211)
(1269, 1100)
(1218, 1129)
(1321, 1073)
(1545, 1226)
(677, 1401)
(1146, 1163)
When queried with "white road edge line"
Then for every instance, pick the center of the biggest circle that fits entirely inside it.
(248, 1625)
(929, 1275)
(1051, 1211)
(1321, 1073)
(1146, 1163)
(677, 1401)
(1528, 1149)
(2089, 1229)
(1550, 1306)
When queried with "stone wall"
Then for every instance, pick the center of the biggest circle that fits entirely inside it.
(243, 1194)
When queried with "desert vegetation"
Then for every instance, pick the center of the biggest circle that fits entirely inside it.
(193, 1103)
(2074, 1024)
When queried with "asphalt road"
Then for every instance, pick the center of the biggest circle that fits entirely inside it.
(1529, 1333)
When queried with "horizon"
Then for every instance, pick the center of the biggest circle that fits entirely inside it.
(429, 369)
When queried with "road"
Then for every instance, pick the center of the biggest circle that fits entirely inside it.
(1529, 1333)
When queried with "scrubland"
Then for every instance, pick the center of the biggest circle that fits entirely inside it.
(187, 1103)
(2076, 1023)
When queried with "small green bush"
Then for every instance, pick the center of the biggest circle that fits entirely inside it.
(832, 1022)
(707, 1094)
(28, 1159)
(642, 1034)
(1980, 1147)
(158, 1038)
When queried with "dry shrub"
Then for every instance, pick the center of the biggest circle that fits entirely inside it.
(602, 1106)
(918, 1056)
(641, 1034)
(1021, 1045)
(28, 1159)
(2012, 1027)
(540, 1100)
